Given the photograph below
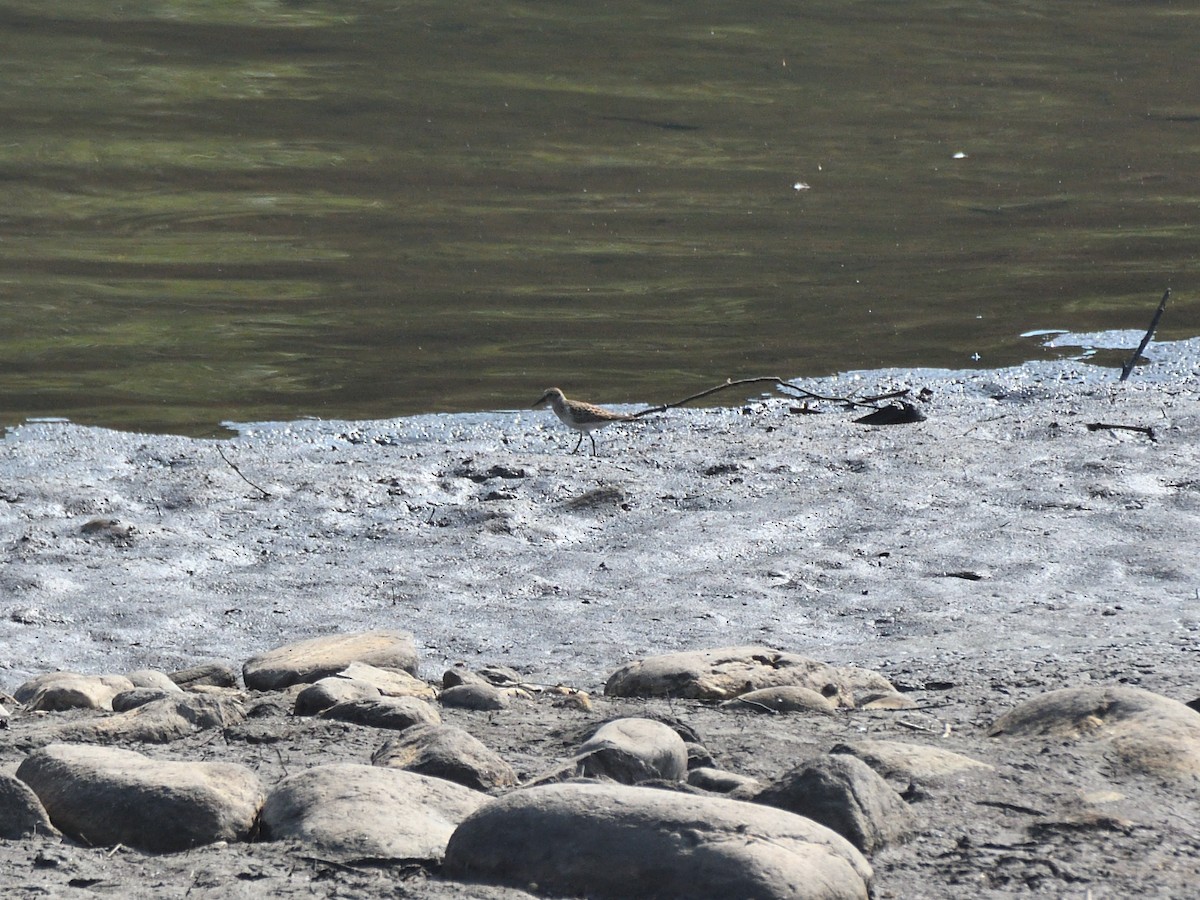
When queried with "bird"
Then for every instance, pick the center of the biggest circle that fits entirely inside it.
(582, 417)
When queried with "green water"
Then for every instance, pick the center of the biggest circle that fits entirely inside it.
(234, 210)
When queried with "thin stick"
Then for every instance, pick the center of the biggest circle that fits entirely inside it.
(1162, 304)
(266, 495)
(1105, 426)
(870, 402)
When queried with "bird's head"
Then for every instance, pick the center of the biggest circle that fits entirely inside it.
(548, 398)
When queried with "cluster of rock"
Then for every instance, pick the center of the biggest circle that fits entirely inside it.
(638, 810)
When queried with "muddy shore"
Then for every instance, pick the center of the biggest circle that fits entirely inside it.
(1001, 548)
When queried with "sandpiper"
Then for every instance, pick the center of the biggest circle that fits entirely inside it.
(583, 417)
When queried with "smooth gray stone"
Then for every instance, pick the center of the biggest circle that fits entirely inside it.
(368, 812)
(396, 713)
(105, 796)
(443, 751)
(317, 658)
(845, 794)
(632, 750)
(21, 812)
(614, 842)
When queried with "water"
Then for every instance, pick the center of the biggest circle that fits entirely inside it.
(255, 210)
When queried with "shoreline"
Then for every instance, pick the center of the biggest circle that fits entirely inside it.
(484, 537)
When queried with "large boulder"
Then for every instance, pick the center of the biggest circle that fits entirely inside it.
(725, 673)
(366, 812)
(106, 796)
(159, 721)
(1144, 732)
(614, 842)
(58, 691)
(317, 658)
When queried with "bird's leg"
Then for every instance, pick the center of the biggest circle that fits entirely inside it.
(593, 437)
(579, 443)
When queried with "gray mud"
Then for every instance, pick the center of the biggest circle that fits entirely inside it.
(996, 550)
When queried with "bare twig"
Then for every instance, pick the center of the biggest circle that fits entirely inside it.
(266, 495)
(800, 393)
(1162, 304)
(1139, 429)
(757, 705)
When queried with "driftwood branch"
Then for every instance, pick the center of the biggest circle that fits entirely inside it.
(1162, 304)
(1105, 426)
(780, 384)
(266, 495)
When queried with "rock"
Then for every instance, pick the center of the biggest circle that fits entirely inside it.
(633, 750)
(113, 530)
(614, 842)
(500, 676)
(127, 700)
(725, 673)
(480, 696)
(569, 698)
(785, 698)
(846, 795)
(105, 796)
(443, 751)
(159, 721)
(59, 691)
(207, 674)
(21, 812)
(396, 713)
(860, 681)
(320, 696)
(368, 812)
(317, 658)
(1147, 732)
(148, 678)
(389, 682)
(719, 781)
(884, 700)
(910, 762)
(460, 674)
(699, 756)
